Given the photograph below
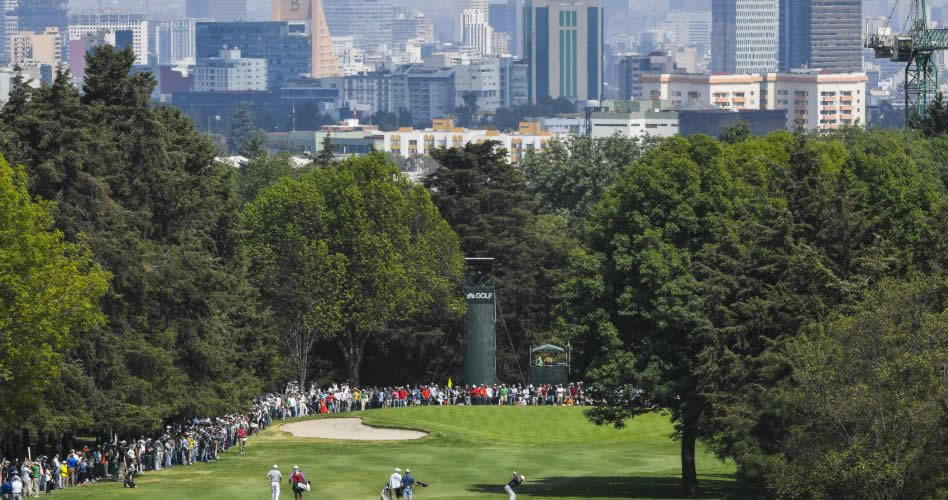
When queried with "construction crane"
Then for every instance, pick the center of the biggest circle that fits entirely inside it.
(917, 49)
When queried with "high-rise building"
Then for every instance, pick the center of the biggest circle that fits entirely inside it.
(825, 34)
(690, 29)
(563, 48)
(411, 26)
(287, 52)
(172, 40)
(794, 34)
(323, 60)
(508, 18)
(688, 5)
(4, 57)
(218, 10)
(81, 25)
(836, 35)
(44, 47)
(514, 87)
(744, 36)
(37, 15)
(476, 31)
(516, 11)
(368, 22)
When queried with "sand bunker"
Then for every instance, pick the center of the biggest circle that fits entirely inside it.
(348, 428)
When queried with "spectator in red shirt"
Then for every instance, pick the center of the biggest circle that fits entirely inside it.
(242, 439)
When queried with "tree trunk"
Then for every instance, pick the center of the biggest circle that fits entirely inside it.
(353, 348)
(689, 474)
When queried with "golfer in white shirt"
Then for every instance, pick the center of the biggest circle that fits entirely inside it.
(275, 477)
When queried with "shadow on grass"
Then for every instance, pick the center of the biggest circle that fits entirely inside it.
(667, 487)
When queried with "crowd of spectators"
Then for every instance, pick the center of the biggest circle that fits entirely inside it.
(200, 440)
(203, 440)
(342, 398)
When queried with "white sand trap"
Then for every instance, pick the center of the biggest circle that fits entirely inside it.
(348, 428)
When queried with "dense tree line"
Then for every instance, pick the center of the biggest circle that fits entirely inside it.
(705, 261)
(139, 187)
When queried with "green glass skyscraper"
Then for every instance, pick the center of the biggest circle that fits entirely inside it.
(563, 42)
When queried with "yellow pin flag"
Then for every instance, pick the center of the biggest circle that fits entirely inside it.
(450, 384)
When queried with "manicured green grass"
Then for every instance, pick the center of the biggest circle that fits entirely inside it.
(470, 453)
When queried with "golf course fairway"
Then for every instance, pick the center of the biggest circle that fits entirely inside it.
(469, 453)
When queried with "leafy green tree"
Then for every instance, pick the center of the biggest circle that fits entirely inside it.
(572, 175)
(736, 133)
(326, 156)
(50, 292)
(349, 252)
(243, 133)
(936, 122)
(869, 399)
(390, 122)
(263, 171)
(464, 114)
(636, 297)
(183, 335)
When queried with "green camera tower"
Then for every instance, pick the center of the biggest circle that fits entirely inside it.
(480, 323)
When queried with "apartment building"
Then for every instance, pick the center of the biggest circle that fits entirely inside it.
(44, 47)
(817, 101)
(230, 73)
(408, 142)
(734, 92)
(813, 101)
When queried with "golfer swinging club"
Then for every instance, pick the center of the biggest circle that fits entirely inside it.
(512, 485)
(275, 477)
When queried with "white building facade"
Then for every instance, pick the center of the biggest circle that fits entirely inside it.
(814, 101)
(482, 80)
(230, 73)
(113, 23)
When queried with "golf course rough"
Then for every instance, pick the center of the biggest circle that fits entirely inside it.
(469, 453)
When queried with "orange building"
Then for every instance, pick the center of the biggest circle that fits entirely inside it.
(324, 60)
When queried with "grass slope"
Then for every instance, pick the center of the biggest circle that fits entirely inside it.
(469, 454)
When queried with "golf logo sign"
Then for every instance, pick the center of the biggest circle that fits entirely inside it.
(479, 295)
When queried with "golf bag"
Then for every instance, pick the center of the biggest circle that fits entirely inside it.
(129, 479)
(386, 493)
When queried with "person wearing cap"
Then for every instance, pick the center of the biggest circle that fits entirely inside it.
(275, 478)
(408, 481)
(298, 482)
(395, 483)
(517, 480)
(16, 487)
